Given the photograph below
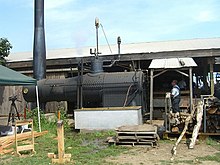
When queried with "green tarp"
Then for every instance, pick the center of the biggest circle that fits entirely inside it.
(10, 77)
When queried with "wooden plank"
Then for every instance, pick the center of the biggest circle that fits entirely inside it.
(50, 155)
(23, 122)
(65, 160)
(141, 133)
(137, 128)
(5, 151)
(25, 147)
(22, 136)
(124, 137)
(110, 108)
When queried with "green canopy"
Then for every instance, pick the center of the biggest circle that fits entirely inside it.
(11, 77)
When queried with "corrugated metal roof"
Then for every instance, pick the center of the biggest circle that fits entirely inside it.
(145, 47)
(172, 63)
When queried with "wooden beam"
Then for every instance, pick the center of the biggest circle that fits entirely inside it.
(66, 62)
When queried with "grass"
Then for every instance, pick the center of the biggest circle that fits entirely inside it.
(86, 148)
(215, 157)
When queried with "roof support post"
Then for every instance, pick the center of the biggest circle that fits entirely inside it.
(151, 94)
(191, 88)
(211, 70)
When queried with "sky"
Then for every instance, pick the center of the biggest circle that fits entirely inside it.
(70, 23)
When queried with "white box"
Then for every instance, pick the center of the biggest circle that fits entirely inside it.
(107, 118)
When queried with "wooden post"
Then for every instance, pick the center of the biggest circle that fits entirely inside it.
(166, 111)
(60, 134)
(205, 73)
(187, 120)
(191, 88)
(58, 115)
(151, 94)
(62, 157)
(199, 114)
(211, 78)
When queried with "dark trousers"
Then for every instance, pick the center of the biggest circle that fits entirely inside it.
(175, 104)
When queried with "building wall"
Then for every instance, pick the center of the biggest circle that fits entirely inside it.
(5, 93)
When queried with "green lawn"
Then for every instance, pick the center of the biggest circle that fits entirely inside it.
(86, 148)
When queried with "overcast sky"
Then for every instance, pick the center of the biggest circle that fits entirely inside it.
(70, 23)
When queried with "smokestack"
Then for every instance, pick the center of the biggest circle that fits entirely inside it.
(39, 52)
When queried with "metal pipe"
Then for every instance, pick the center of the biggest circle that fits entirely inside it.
(39, 50)
(119, 46)
(97, 37)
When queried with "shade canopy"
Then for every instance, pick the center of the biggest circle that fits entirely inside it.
(9, 77)
(169, 63)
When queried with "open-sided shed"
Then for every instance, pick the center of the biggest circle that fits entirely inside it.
(160, 66)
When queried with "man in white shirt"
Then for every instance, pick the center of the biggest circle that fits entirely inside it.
(175, 97)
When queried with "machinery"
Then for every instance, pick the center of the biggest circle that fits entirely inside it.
(101, 89)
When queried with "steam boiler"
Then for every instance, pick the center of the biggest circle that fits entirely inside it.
(116, 89)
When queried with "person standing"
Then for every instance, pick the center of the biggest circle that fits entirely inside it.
(175, 97)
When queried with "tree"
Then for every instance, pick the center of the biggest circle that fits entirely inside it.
(5, 47)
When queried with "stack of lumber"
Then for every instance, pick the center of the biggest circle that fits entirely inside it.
(136, 135)
(8, 141)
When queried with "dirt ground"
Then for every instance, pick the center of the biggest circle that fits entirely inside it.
(161, 155)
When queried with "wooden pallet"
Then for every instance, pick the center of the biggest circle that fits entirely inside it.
(135, 135)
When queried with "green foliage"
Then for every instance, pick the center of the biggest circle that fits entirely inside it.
(45, 123)
(5, 47)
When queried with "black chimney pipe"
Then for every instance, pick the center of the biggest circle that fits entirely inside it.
(39, 52)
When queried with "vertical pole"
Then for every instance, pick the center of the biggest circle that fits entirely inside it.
(78, 86)
(97, 37)
(190, 88)
(58, 115)
(119, 46)
(81, 84)
(16, 140)
(151, 94)
(204, 118)
(166, 105)
(60, 133)
(211, 78)
(38, 108)
(205, 73)
(32, 135)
